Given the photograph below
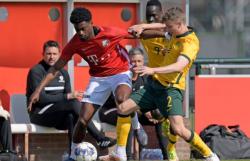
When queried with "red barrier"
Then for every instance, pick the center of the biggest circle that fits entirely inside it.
(222, 100)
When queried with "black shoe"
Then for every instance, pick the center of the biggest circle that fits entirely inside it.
(141, 136)
(106, 142)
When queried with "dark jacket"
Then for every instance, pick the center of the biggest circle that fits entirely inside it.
(54, 92)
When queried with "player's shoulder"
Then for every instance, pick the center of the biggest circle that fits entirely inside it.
(188, 37)
(37, 68)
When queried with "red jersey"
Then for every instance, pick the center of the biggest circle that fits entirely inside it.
(104, 53)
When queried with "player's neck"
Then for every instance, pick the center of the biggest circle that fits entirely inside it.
(182, 30)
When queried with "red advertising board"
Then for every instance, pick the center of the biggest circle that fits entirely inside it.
(222, 100)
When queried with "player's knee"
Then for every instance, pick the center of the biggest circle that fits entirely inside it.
(121, 98)
(177, 130)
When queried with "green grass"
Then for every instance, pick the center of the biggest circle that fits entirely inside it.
(221, 160)
(202, 160)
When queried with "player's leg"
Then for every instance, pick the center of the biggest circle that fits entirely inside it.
(141, 98)
(139, 132)
(174, 108)
(172, 139)
(129, 145)
(101, 139)
(191, 137)
(121, 87)
(122, 129)
(162, 140)
(169, 103)
(86, 113)
(95, 95)
(122, 93)
(108, 115)
(68, 114)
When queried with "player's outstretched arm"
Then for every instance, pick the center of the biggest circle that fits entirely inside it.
(52, 73)
(152, 34)
(140, 27)
(178, 66)
(148, 30)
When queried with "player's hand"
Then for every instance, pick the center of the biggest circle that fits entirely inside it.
(136, 30)
(150, 118)
(75, 95)
(3, 113)
(148, 115)
(144, 70)
(33, 99)
(154, 121)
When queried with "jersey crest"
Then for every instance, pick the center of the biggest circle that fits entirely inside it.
(105, 42)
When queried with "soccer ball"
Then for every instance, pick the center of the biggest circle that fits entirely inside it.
(85, 152)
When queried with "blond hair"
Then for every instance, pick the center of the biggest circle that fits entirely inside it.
(174, 14)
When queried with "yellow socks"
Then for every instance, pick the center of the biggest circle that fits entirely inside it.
(172, 140)
(199, 145)
(122, 130)
(172, 156)
(165, 127)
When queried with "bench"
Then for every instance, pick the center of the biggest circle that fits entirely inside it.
(20, 122)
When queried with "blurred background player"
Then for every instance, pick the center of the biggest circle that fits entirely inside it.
(58, 106)
(109, 69)
(167, 80)
(153, 46)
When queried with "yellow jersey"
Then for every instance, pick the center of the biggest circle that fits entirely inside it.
(186, 45)
(154, 47)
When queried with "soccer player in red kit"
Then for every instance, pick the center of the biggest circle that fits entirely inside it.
(109, 70)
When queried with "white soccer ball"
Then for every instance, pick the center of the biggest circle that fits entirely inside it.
(85, 152)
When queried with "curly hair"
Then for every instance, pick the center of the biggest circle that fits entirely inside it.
(154, 3)
(79, 15)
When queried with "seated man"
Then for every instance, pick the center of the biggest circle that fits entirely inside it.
(108, 113)
(5, 130)
(58, 106)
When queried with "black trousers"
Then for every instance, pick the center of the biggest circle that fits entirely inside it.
(5, 134)
(109, 115)
(61, 115)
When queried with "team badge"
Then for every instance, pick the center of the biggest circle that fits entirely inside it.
(61, 79)
(105, 42)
